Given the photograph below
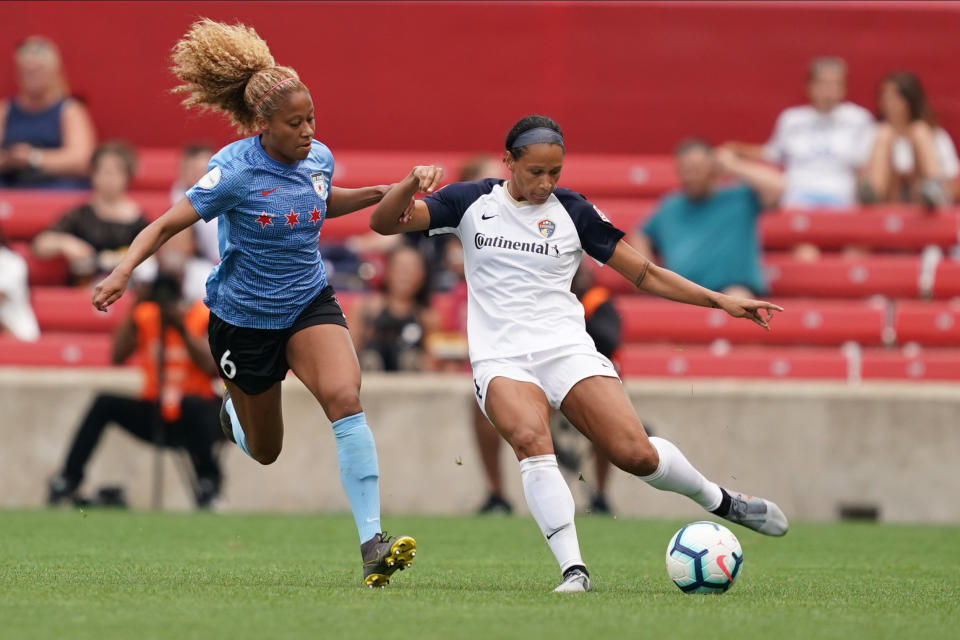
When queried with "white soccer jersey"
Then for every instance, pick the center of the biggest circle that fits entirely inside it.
(519, 260)
(821, 153)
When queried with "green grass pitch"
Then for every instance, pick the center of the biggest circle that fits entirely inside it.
(133, 575)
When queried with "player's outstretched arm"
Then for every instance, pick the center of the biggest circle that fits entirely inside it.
(398, 212)
(176, 219)
(344, 201)
(645, 275)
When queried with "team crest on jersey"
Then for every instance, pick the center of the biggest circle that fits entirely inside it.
(547, 227)
(210, 179)
(319, 184)
(600, 213)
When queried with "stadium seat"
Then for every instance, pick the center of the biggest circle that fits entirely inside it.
(737, 362)
(58, 350)
(813, 322)
(911, 364)
(157, 168)
(927, 323)
(41, 271)
(947, 281)
(888, 227)
(25, 213)
(69, 309)
(839, 277)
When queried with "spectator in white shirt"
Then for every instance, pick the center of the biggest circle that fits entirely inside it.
(822, 145)
(196, 250)
(16, 316)
(913, 159)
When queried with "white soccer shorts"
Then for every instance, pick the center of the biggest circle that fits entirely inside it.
(555, 371)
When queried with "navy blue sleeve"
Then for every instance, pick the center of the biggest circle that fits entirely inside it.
(597, 236)
(448, 205)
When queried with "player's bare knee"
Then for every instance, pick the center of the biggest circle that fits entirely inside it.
(528, 442)
(341, 403)
(637, 458)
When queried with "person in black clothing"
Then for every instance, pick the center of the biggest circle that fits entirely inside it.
(94, 236)
(176, 408)
(389, 329)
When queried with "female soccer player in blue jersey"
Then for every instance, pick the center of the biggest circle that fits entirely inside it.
(523, 240)
(271, 308)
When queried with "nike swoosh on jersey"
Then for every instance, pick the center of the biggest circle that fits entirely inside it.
(486, 217)
(266, 193)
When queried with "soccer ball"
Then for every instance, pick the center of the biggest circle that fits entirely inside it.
(704, 557)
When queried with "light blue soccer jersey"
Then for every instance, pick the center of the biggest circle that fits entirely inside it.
(270, 214)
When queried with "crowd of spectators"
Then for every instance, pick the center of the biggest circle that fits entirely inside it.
(827, 154)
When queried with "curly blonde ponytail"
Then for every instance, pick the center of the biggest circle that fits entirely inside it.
(229, 68)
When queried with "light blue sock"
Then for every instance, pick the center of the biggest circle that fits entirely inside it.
(238, 434)
(359, 472)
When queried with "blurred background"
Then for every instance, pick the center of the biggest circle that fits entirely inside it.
(803, 151)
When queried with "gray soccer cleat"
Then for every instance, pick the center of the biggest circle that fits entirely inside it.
(382, 556)
(757, 514)
(574, 581)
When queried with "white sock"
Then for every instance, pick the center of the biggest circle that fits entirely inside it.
(551, 505)
(676, 474)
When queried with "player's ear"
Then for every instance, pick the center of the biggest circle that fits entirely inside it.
(260, 122)
(508, 160)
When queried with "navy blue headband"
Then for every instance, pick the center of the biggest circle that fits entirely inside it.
(536, 136)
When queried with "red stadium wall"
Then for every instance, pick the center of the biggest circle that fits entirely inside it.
(620, 77)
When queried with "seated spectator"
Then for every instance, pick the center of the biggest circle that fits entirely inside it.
(16, 316)
(177, 409)
(197, 248)
(389, 328)
(821, 145)
(913, 159)
(708, 231)
(46, 137)
(94, 236)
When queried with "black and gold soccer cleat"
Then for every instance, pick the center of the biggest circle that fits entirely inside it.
(382, 556)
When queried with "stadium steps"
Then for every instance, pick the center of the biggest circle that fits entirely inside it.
(58, 350)
(848, 364)
(618, 175)
(68, 309)
(810, 322)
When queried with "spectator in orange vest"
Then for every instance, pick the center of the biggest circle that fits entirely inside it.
(177, 407)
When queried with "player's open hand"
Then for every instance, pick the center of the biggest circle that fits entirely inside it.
(758, 311)
(109, 290)
(429, 177)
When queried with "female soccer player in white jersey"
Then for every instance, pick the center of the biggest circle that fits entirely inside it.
(523, 239)
(271, 308)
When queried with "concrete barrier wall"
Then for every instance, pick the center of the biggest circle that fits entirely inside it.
(812, 447)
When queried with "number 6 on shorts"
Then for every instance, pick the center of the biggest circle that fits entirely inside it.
(226, 365)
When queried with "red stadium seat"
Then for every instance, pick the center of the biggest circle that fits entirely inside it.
(911, 364)
(69, 309)
(595, 175)
(813, 322)
(58, 350)
(25, 213)
(839, 277)
(888, 227)
(40, 271)
(927, 323)
(619, 175)
(157, 168)
(947, 282)
(738, 362)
